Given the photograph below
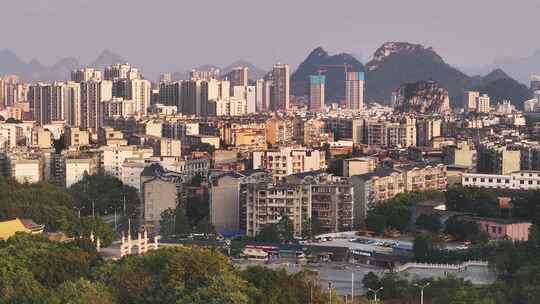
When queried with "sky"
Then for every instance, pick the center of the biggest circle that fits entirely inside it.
(175, 35)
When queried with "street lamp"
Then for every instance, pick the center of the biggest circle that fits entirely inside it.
(422, 291)
(375, 292)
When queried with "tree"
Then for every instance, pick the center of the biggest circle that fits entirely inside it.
(376, 222)
(93, 225)
(311, 227)
(83, 292)
(166, 223)
(285, 229)
(268, 234)
(371, 281)
(463, 230)
(472, 200)
(430, 222)
(102, 194)
(424, 247)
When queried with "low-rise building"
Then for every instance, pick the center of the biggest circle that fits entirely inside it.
(520, 180)
(161, 190)
(289, 160)
(373, 188)
(359, 165)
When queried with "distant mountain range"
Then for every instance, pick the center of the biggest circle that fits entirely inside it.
(520, 68)
(393, 64)
(396, 63)
(10, 63)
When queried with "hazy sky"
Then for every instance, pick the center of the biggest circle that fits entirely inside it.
(173, 35)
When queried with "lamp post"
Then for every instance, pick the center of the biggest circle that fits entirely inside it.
(422, 291)
(375, 292)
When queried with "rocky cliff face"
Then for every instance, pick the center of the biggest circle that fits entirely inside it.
(422, 97)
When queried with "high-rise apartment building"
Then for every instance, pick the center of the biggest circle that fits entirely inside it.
(121, 71)
(239, 77)
(483, 104)
(535, 83)
(93, 93)
(80, 75)
(354, 90)
(316, 93)
(47, 102)
(280, 87)
(469, 101)
(72, 111)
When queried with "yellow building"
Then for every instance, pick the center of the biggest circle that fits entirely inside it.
(10, 227)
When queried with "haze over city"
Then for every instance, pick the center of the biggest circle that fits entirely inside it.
(269, 152)
(178, 35)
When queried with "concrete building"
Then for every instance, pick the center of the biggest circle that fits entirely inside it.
(47, 102)
(359, 166)
(331, 199)
(462, 155)
(75, 137)
(267, 203)
(112, 157)
(497, 159)
(121, 71)
(239, 76)
(280, 87)
(85, 74)
(373, 188)
(289, 160)
(76, 168)
(501, 229)
(161, 190)
(228, 195)
(470, 101)
(118, 107)
(93, 94)
(483, 104)
(354, 90)
(423, 177)
(519, 180)
(279, 131)
(41, 138)
(427, 128)
(316, 93)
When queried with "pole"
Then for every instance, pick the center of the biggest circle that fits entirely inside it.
(124, 204)
(330, 297)
(422, 291)
(93, 212)
(352, 287)
(115, 226)
(311, 293)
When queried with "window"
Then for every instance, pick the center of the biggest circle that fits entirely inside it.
(494, 229)
(482, 179)
(530, 182)
(466, 179)
(498, 180)
(490, 180)
(522, 182)
(499, 230)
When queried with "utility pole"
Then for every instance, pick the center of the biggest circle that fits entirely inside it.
(330, 297)
(422, 291)
(352, 287)
(375, 292)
